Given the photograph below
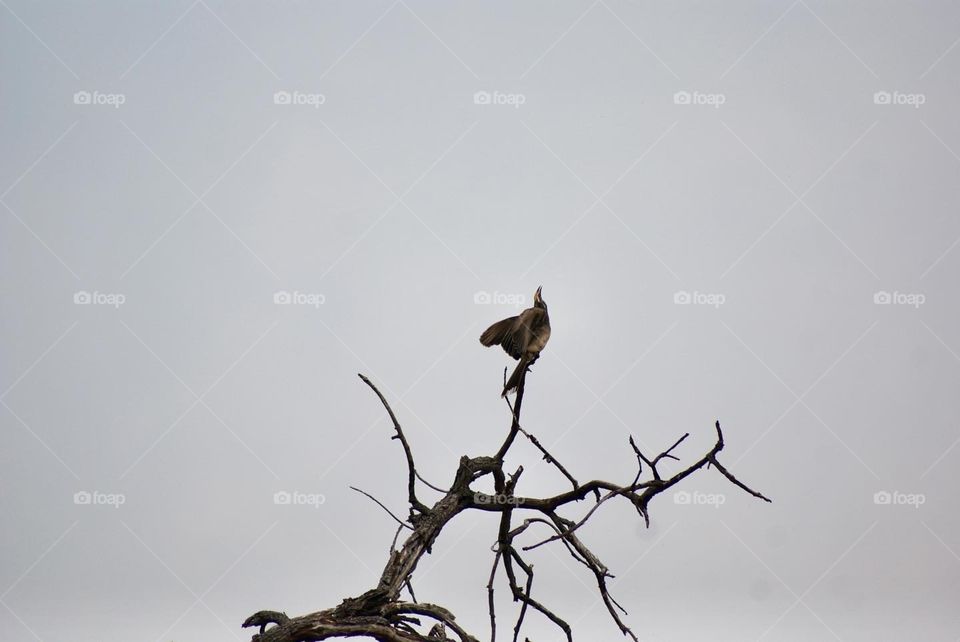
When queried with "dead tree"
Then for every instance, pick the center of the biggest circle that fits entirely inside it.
(383, 615)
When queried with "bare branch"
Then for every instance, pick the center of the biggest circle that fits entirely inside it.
(381, 615)
(428, 484)
(490, 603)
(526, 599)
(726, 473)
(380, 504)
(438, 613)
(412, 469)
(515, 423)
(547, 457)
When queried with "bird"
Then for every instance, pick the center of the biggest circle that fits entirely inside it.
(523, 337)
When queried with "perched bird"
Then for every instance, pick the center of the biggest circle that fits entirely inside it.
(522, 337)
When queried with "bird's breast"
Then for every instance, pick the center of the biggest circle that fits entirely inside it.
(540, 338)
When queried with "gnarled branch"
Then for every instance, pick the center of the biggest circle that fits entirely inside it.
(381, 614)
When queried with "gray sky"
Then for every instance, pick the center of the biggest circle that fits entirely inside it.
(743, 211)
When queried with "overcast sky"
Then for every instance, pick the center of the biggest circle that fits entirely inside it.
(214, 215)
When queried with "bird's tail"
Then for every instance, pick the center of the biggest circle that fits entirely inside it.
(518, 374)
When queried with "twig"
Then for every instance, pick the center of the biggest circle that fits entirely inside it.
(519, 594)
(438, 613)
(409, 586)
(666, 453)
(411, 468)
(561, 534)
(428, 484)
(726, 473)
(515, 423)
(523, 607)
(380, 504)
(547, 457)
(490, 601)
(393, 544)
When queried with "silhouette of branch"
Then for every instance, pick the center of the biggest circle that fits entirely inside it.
(490, 603)
(402, 523)
(412, 469)
(515, 414)
(547, 457)
(380, 614)
(726, 473)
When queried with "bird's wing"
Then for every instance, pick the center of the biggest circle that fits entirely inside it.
(515, 333)
(500, 333)
(495, 333)
(523, 333)
(516, 338)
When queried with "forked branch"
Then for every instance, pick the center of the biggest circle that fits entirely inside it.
(380, 613)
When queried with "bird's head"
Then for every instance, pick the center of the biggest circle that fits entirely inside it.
(538, 301)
